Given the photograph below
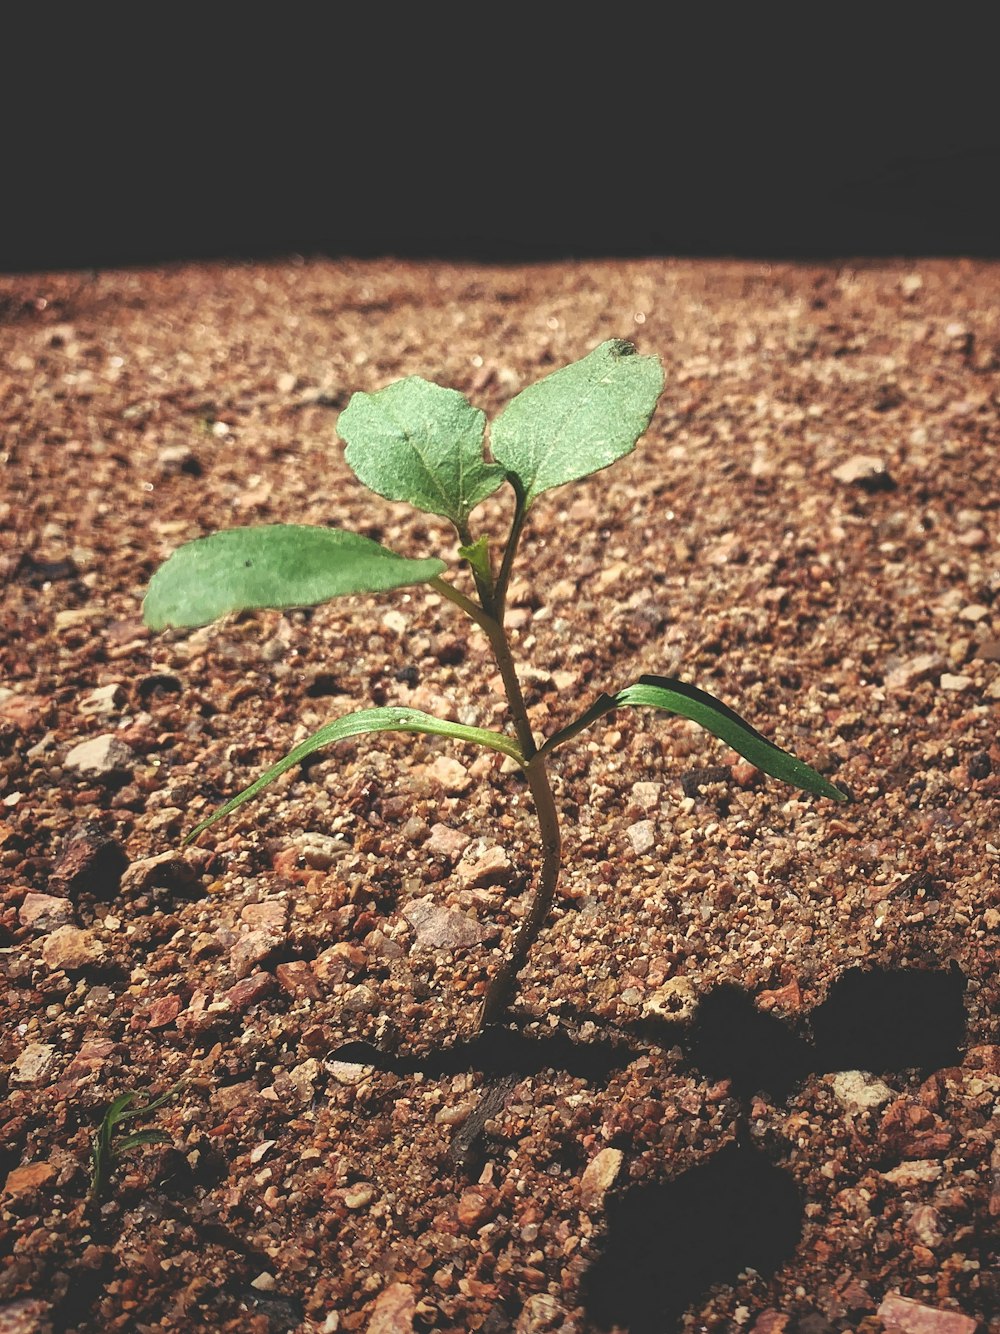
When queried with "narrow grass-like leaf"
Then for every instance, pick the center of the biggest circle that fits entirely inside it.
(275, 565)
(422, 443)
(147, 1106)
(390, 719)
(140, 1137)
(577, 420)
(105, 1152)
(663, 692)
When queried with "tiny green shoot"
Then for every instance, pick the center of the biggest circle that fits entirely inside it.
(419, 442)
(107, 1148)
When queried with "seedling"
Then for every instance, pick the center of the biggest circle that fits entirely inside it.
(106, 1151)
(418, 442)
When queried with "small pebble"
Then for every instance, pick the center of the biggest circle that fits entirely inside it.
(101, 756)
(598, 1177)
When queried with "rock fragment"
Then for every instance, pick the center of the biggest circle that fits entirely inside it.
(646, 794)
(906, 675)
(44, 912)
(490, 868)
(599, 1176)
(642, 836)
(359, 1195)
(477, 1206)
(25, 1180)
(103, 702)
(676, 999)
(72, 949)
(23, 712)
(164, 1010)
(444, 841)
(954, 682)
(35, 1064)
(91, 862)
(868, 471)
(252, 948)
(440, 928)
(29, 1315)
(393, 1310)
(102, 757)
(250, 991)
(451, 774)
(298, 979)
(858, 1091)
(787, 998)
(541, 1314)
(167, 870)
(924, 1225)
(903, 1315)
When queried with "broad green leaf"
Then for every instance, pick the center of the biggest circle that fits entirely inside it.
(418, 442)
(662, 692)
(577, 420)
(276, 565)
(391, 719)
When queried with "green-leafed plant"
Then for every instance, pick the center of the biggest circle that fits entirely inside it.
(107, 1148)
(424, 444)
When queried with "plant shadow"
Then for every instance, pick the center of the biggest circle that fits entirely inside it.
(667, 1243)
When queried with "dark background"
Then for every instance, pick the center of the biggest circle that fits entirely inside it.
(481, 133)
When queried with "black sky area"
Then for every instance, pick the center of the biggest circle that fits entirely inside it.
(533, 138)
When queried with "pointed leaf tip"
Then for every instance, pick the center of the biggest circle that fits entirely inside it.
(672, 696)
(392, 718)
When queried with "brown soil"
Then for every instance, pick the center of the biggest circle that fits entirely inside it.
(668, 1132)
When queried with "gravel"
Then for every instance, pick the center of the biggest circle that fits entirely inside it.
(766, 1024)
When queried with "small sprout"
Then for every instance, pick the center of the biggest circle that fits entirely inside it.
(418, 442)
(107, 1150)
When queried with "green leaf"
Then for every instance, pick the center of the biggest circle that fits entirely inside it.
(392, 719)
(577, 420)
(418, 442)
(104, 1152)
(117, 1111)
(148, 1106)
(277, 565)
(478, 555)
(139, 1137)
(662, 692)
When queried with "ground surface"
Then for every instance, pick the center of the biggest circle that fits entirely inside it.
(751, 1078)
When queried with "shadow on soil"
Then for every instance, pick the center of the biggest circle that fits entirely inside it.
(877, 1020)
(667, 1243)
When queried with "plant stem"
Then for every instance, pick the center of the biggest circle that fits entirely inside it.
(467, 605)
(490, 619)
(499, 991)
(510, 550)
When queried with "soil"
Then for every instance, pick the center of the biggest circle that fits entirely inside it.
(750, 1080)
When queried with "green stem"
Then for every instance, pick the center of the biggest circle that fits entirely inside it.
(467, 605)
(499, 992)
(501, 988)
(490, 618)
(510, 550)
